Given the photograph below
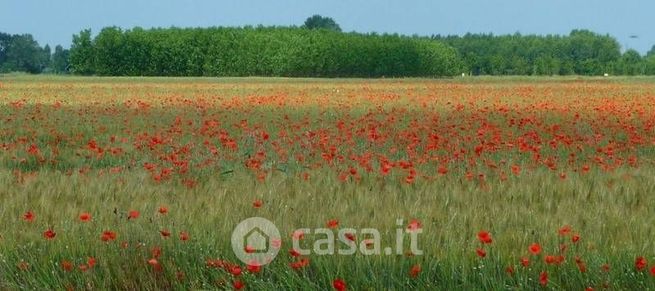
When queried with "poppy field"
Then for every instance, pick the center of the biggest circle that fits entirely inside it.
(137, 183)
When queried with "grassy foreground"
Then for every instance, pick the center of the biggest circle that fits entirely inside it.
(566, 164)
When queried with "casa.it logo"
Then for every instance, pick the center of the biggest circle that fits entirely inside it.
(256, 241)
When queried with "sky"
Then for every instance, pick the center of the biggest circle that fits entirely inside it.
(54, 22)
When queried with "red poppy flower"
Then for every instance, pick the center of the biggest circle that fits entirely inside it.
(581, 266)
(163, 210)
(49, 234)
(149, 166)
(575, 238)
(85, 217)
(257, 203)
(83, 267)
(339, 285)
(108, 236)
(155, 264)
(543, 278)
(509, 270)
(133, 214)
(415, 271)
(165, 233)
(238, 285)
(184, 236)
(481, 253)
(155, 252)
(409, 179)
(254, 267)
(235, 271)
(67, 266)
(553, 260)
(652, 271)
(414, 225)
(350, 236)
(484, 237)
(33, 150)
(91, 262)
(332, 223)
(293, 253)
(565, 230)
(640, 263)
(585, 169)
(385, 168)
(525, 262)
(300, 263)
(28, 216)
(516, 170)
(535, 249)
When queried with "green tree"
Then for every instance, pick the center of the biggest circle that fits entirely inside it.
(60, 60)
(631, 63)
(110, 54)
(593, 54)
(82, 54)
(320, 22)
(24, 54)
(46, 56)
(649, 65)
(5, 40)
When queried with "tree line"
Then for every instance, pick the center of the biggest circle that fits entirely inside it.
(21, 53)
(582, 52)
(319, 49)
(258, 51)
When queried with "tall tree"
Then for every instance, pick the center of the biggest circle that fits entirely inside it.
(108, 49)
(631, 63)
(60, 60)
(319, 22)
(46, 55)
(82, 54)
(5, 40)
(649, 65)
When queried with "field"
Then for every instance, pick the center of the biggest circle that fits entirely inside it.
(138, 183)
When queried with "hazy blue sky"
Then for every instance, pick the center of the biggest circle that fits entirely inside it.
(54, 22)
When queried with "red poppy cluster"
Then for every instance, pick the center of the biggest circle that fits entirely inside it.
(106, 236)
(474, 132)
(535, 251)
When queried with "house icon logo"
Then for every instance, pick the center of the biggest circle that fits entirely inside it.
(256, 241)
